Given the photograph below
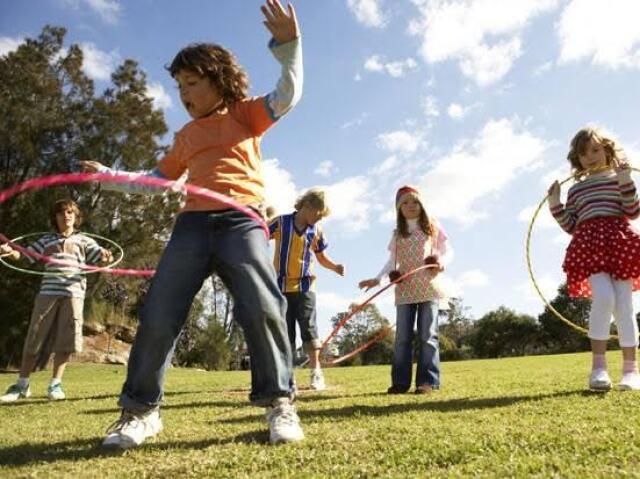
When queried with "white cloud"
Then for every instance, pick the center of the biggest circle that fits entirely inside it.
(430, 106)
(368, 12)
(98, 64)
(161, 99)
(473, 278)
(400, 141)
(280, 190)
(386, 166)
(395, 69)
(545, 67)
(548, 285)
(457, 111)
(349, 203)
(483, 36)
(480, 169)
(9, 44)
(543, 219)
(349, 199)
(607, 33)
(325, 169)
(356, 122)
(455, 287)
(333, 302)
(109, 10)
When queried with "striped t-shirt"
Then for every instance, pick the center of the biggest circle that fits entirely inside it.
(76, 249)
(293, 259)
(595, 196)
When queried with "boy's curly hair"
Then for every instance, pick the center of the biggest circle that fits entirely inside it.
(62, 205)
(216, 63)
(581, 140)
(314, 197)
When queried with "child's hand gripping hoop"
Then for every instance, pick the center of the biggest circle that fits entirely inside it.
(80, 268)
(530, 266)
(77, 178)
(383, 332)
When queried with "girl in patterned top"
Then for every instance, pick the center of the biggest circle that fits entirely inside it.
(416, 240)
(602, 260)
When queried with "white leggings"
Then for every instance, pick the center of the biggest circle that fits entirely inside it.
(611, 297)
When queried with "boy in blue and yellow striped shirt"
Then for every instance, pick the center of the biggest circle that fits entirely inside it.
(297, 236)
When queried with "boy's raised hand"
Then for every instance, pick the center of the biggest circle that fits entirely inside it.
(283, 26)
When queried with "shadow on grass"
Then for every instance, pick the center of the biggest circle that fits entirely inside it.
(431, 404)
(241, 403)
(44, 400)
(25, 454)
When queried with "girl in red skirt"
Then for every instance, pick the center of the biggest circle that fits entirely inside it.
(602, 260)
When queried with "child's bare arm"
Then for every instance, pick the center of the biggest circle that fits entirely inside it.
(325, 261)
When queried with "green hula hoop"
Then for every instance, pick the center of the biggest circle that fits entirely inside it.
(82, 271)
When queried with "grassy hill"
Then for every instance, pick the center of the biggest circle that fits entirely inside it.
(517, 417)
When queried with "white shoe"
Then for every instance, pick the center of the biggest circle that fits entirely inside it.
(630, 382)
(284, 423)
(14, 393)
(132, 429)
(317, 380)
(599, 380)
(55, 392)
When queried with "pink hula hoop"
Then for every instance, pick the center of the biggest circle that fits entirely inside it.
(76, 178)
(359, 308)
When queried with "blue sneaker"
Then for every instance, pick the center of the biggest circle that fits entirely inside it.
(55, 392)
(15, 392)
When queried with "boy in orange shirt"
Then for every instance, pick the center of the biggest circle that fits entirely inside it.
(220, 151)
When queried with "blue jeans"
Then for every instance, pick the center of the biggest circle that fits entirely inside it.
(428, 372)
(235, 247)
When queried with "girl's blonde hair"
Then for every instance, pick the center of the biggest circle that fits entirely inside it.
(315, 198)
(581, 140)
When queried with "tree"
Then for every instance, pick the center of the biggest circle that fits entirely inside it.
(51, 119)
(358, 330)
(559, 337)
(456, 331)
(503, 332)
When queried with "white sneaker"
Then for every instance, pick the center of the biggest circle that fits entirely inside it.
(629, 382)
(132, 429)
(284, 423)
(15, 392)
(599, 380)
(317, 380)
(55, 392)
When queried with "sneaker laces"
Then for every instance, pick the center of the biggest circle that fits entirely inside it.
(286, 416)
(125, 419)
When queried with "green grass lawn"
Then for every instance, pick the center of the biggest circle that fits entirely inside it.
(515, 417)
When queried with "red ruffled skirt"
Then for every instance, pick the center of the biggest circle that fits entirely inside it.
(607, 244)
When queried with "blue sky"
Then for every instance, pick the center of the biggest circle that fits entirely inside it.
(473, 101)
